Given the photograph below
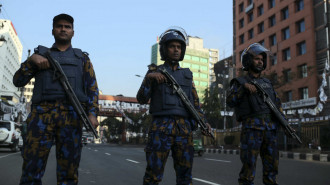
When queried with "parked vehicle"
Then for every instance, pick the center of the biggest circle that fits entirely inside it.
(10, 135)
(84, 140)
(198, 144)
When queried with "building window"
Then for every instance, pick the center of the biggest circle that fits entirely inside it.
(250, 2)
(271, 4)
(262, 42)
(299, 5)
(241, 7)
(250, 17)
(285, 13)
(204, 60)
(195, 66)
(286, 54)
(303, 71)
(241, 39)
(301, 48)
(303, 93)
(251, 35)
(272, 21)
(194, 58)
(287, 75)
(300, 26)
(203, 75)
(203, 84)
(288, 96)
(241, 23)
(261, 27)
(260, 10)
(273, 59)
(274, 78)
(272, 40)
(286, 33)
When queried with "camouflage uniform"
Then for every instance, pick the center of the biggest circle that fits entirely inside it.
(55, 121)
(168, 133)
(258, 136)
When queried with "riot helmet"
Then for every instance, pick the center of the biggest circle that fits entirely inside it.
(252, 51)
(173, 33)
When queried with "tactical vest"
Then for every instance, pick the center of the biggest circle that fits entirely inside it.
(164, 101)
(252, 104)
(48, 89)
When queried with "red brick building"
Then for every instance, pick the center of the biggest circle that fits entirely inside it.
(296, 32)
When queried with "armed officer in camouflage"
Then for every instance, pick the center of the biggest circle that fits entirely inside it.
(259, 128)
(172, 126)
(52, 118)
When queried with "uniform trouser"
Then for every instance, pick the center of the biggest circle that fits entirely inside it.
(43, 129)
(254, 142)
(157, 151)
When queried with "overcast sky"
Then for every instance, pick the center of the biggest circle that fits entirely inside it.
(118, 35)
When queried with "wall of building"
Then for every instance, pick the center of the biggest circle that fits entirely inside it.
(305, 111)
(10, 58)
(297, 59)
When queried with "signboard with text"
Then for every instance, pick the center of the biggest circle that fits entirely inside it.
(299, 103)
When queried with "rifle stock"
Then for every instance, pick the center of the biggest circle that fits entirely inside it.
(187, 103)
(289, 130)
(60, 75)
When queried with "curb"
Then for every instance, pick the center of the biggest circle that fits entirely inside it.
(285, 155)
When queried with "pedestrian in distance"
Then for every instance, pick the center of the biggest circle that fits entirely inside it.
(172, 125)
(259, 126)
(53, 118)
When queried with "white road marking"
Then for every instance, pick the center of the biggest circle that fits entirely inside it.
(9, 155)
(95, 150)
(107, 154)
(217, 160)
(207, 182)
(132, 161)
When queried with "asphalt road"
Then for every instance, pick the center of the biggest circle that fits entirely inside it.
(125, 165)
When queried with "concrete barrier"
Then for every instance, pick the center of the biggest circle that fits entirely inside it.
(309, 157)
(285, 154)
(296, 156)
(324, 157)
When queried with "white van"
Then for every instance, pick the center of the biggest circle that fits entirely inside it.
(10, 135)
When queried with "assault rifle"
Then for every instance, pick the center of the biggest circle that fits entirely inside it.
(60, 75)
(177, 88)
(288, 129)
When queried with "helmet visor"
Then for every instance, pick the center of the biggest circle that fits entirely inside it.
(175, 29)
(255, 49)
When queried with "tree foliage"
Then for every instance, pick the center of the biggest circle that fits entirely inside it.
(212, 107)
(114, 127)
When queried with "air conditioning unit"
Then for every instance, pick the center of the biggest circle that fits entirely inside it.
(249, 8)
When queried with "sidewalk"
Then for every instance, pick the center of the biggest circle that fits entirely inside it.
(284, 155)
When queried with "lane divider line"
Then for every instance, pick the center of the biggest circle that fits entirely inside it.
(9, 155)
(207, 182)
(107, 154)
(132, 161)
(217, 160)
